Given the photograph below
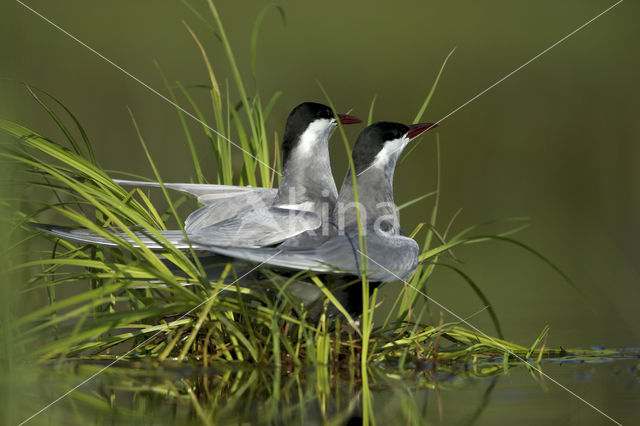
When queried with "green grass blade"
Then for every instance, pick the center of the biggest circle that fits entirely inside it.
(476, 289)
(185, 127)
(426, 102)
(255, 32)
(415, 200)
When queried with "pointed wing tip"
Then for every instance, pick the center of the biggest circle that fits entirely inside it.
(49, 228)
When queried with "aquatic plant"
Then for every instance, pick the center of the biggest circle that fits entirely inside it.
(127, 302)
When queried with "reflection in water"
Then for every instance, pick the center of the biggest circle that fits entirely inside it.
(151, 393)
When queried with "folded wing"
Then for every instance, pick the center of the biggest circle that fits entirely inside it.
(166, 239)
(218, 210)
(259, 227)
(205, 192)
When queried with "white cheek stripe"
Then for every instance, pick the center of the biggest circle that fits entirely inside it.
(390, 150)
(318, 129)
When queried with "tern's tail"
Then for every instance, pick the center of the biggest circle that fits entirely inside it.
(158, 240)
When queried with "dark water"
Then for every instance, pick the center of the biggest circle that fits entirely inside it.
(588, 389)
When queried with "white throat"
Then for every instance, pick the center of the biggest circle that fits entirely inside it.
(390, 152)
(316, 132)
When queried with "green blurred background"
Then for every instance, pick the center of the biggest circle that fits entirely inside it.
(557, 142)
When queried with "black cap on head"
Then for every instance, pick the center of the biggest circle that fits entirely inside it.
(372, 139)
(298, 121)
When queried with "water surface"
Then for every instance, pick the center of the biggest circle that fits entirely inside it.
(146, 393)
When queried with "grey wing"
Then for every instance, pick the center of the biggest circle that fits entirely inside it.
(219, 210)
(257, 228)
(205, 192)
(173, 238)
(387, 258)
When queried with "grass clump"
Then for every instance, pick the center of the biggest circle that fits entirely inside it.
(127, 302)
